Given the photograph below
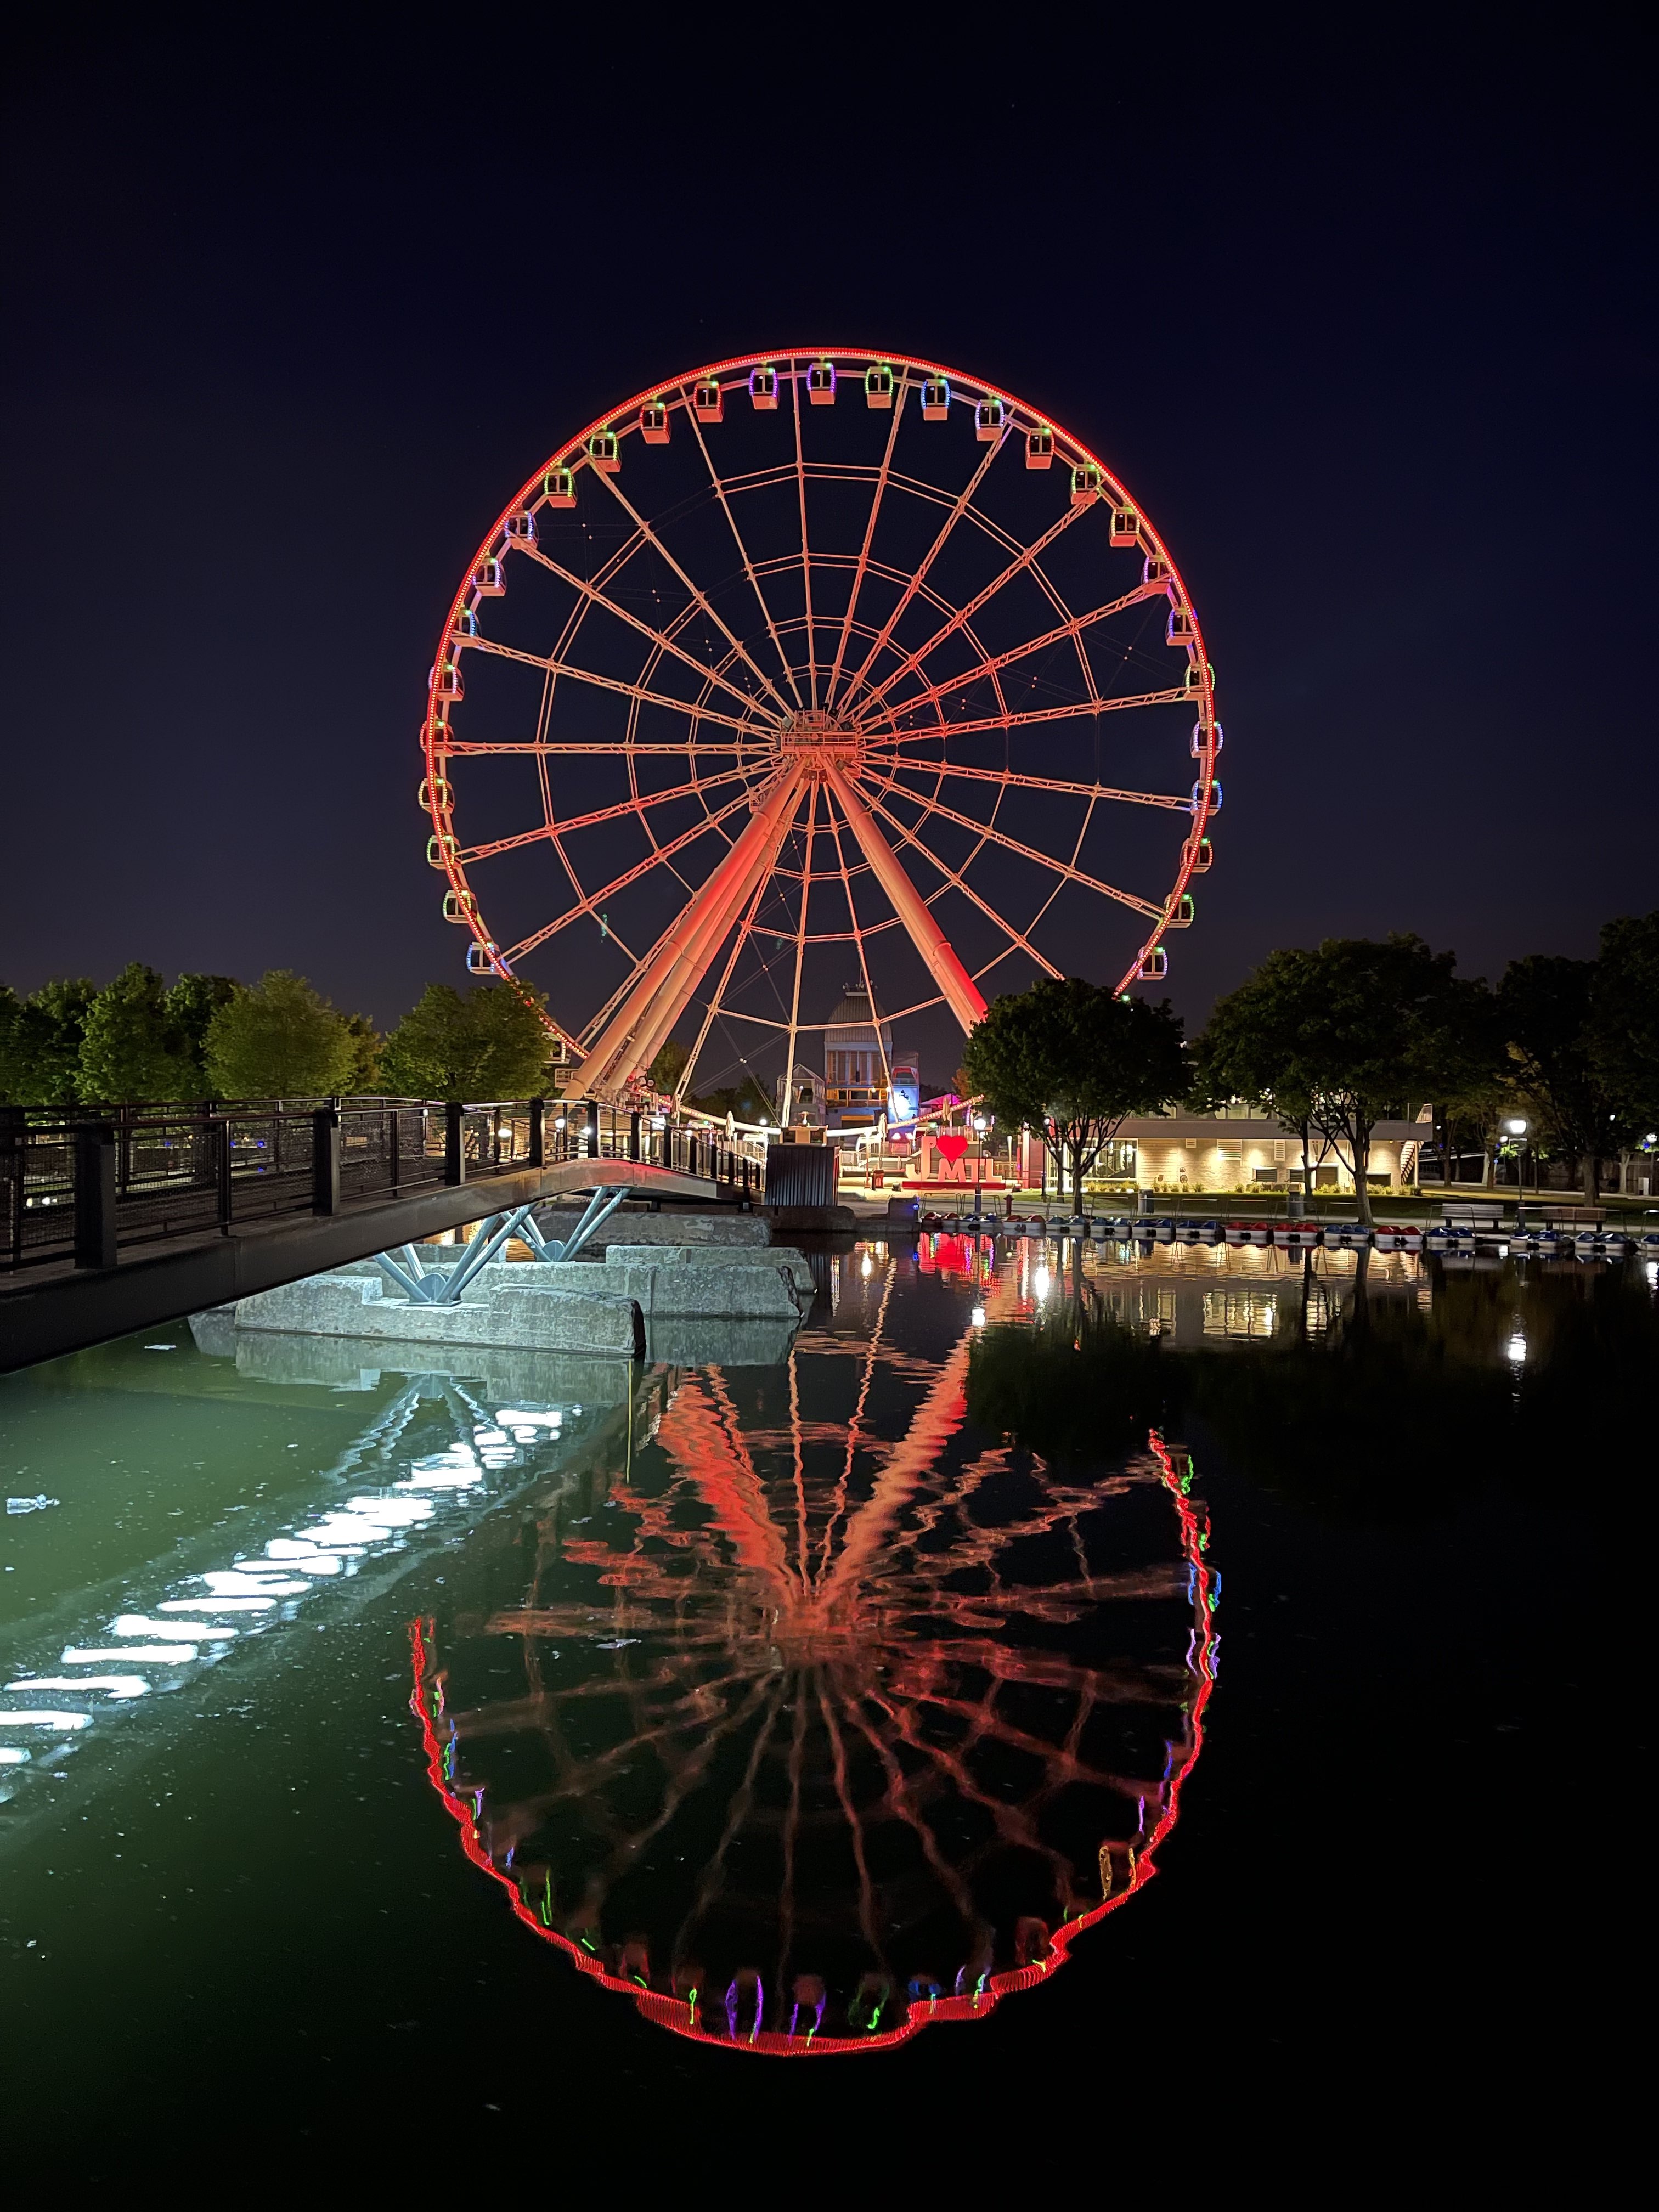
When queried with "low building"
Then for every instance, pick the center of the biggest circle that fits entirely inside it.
(1236, 1151)
(800, 1098)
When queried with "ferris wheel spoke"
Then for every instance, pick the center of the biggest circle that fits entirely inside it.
(618, 748)
(572, 822)
(743, 554)
(960, 992)
(1178, 803)
(965, 615)
(698, 596)
(665, 981)
(862, 569)
(1065, 868)
(967, 890)
(590, 902)
(858, 936)
(931, 694)
(958, 509)
(740, 938)
(665, 641)
(1026, 718)
(614, 684)
(806, 551)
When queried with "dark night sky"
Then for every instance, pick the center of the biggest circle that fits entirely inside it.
(1369, 328)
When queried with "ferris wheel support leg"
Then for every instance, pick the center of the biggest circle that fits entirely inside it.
(675, 964)
(960, 994)
(688, 972)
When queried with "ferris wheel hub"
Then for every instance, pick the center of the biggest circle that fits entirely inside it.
(819, 741)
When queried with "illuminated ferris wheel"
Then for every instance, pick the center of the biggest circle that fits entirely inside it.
(805, 671)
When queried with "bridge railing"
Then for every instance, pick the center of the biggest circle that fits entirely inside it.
(85, 1187)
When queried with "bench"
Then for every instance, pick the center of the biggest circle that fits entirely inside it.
(1471, 1214)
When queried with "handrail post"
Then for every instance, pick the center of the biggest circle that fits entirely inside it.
(633, 1136)
(392, 1163)
(454, 1150)
(221, 1163)
(325, 1160)
(538, 1133)
(593, 1128)
(14, 1141)
(94, 1195)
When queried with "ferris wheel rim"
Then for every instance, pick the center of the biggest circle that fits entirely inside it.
(865, 697)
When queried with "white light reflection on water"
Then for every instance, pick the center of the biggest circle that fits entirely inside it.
(218, 1607)
(119, 1685)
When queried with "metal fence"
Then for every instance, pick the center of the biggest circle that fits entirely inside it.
(90, 1185)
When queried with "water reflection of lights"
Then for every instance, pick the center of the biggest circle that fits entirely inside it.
(845, 1769)
(1041, 1281)
(978, 1316)
(182, 1633)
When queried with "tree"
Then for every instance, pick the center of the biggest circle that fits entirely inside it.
(1074, 1061)
(278, 1039)
(1625, 1020)
(489, 1043)
(668, 1066)
(11, 1015)
(133, 1046)
(40, 1043)
(192, 1002)
(362, 1078)
(1248, 1051)
(1332, 1040)
(1548, 1008)
(743, 1102)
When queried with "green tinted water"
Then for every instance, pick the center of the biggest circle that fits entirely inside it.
(857, 1684)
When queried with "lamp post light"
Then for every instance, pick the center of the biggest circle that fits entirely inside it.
(1516, 1127)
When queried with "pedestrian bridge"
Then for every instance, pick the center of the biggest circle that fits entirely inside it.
(132, 1218)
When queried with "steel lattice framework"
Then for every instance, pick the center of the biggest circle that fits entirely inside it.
(808, 671)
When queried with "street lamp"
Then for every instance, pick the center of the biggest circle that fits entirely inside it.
(1516, 1127)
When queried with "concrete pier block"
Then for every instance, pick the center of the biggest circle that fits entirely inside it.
(597, 1318)
(317, 1305)
(723, 1230)
(690, 1340)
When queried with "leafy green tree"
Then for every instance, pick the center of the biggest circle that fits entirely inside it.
(192, 1004)
(1247, 1051)
(362, 1078)
(1073, 1061)
(278, 1039)
(1549, 1007)
(132, 1047)
(744, 1101)
(489, 1043)
(1625, 1020)
(11, 1014)
(1341, 1035)
(669, 1066)
(40, 1042)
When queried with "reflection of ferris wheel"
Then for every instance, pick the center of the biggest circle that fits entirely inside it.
(810, 671)
(819, 1738)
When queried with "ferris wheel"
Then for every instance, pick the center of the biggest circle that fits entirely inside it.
(808, 672)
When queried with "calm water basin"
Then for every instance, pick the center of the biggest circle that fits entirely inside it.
(789, 1710)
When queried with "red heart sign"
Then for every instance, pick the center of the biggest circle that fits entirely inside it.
(952, 1148)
